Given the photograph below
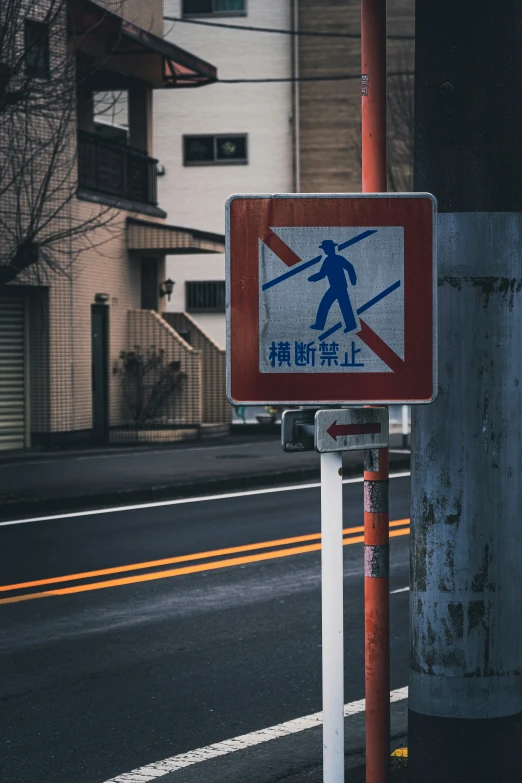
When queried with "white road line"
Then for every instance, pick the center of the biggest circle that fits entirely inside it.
(175, 763)
(401, 590)
(181, 501)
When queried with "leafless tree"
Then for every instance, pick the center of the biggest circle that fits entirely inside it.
(400, 127)
(148, 383)
(41, 229)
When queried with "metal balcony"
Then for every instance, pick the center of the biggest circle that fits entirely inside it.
(116, 170)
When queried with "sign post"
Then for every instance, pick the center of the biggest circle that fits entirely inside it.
(405, 425)
(332, 616)
(377, 614)
(376, 593)
(331, 301)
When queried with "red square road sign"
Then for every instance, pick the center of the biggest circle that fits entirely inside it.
(331, 298)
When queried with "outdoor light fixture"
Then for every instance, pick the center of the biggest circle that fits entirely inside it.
(101, 298)
(166, 288)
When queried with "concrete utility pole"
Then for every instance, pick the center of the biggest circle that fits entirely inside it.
(466, 565)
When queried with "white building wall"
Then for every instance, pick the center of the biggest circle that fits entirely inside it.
(194, 196)
(210, 266)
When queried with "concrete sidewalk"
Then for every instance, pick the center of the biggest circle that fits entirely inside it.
(51, 482)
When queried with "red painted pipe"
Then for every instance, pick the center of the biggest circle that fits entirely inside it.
(377, 615)
(376, 475)
(373, 70)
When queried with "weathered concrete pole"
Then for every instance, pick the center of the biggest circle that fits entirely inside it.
(466, 563)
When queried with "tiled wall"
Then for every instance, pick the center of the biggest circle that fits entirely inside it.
(61, 321)
(147, 328)
(106, 268)
(147, 14)
(216, 408)
(60, 309)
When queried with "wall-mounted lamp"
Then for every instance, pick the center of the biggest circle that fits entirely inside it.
(101, 298)
(166, 288)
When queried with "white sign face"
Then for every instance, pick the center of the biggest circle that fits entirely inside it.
(309, 311)
(351, 429)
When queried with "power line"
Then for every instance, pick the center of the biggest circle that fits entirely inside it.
(331, 78)
(278, 31)
(342, 77)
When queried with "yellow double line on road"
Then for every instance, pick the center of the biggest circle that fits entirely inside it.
(402, 526)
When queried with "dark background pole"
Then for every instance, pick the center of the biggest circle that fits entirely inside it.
(466, 566)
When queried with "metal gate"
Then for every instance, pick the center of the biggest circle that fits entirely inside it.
(12, 373)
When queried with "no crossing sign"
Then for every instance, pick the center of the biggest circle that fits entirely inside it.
(331, 298)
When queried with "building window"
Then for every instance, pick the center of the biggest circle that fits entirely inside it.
(205, 297)
(208, 150)
(36, 41)
(214, 7)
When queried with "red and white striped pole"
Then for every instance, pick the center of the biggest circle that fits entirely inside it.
(376, 470)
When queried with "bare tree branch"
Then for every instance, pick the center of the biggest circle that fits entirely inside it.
(40, 99)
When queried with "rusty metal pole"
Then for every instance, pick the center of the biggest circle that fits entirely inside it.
(376, 470)
(373, 103)
(377, 615)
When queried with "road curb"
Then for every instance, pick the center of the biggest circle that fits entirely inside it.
(15, 509)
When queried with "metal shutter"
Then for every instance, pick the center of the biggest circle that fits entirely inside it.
(12, 376)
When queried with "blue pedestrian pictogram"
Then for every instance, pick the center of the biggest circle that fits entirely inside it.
(334, 268)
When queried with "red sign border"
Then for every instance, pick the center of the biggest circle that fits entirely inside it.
(249, 218)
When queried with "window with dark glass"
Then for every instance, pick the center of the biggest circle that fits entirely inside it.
(205, 296)
(36, 42)
(213, 7)
(231, 148)
(198, 149)
(222, 148)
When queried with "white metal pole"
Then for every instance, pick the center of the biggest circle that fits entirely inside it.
(332, 616)
(405, 426)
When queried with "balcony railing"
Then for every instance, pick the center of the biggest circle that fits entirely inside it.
(116, 170)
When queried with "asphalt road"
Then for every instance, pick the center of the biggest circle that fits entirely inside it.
(127, 668)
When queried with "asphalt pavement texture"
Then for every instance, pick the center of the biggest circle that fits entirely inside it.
(98, 682)
(52, 482)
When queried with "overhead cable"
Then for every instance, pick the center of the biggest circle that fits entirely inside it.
(278, 31)
(330, 78)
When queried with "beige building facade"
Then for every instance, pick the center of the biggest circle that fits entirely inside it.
(85, 354)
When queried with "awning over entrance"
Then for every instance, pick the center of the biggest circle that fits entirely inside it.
(180, 68)
(124, 48)
(148, 237)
